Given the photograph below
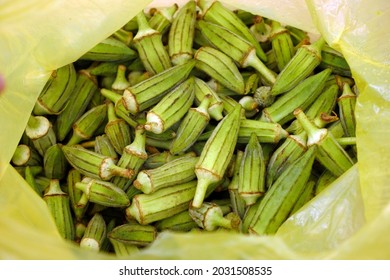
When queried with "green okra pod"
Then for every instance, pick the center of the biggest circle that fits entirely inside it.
(164, 203)
(171, 108)
(252, 172)
(95, 233)
(181, 34)
(58, 204)
(94, 165)
(191, 127)
(177, 171)
(56, 92)
(149, 45)
(150, 91)
(103, 193)
(278, 201)
(216, 154)
(132, 233)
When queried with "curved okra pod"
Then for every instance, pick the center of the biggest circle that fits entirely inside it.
(237, 201)
(209, 216)
(171, 108)
(214, 11)
(181, 34)
(149, 45)
(191, 127)
(177, 171)
(347, 103)
(278, 201)
(330, 154)
(302, 96)
(102, 193)
(306, 58)
(40, 130)
(83, 91)
(252, 172)
(162, 18)
(150, 91)
(95, 233)
(133, 157)
(58, 203)
(117, 130)
(56, 91)
(85, 127)
(216, 155)
(54, 162)
(164, 203)
(282, 45)
(220, 67)
(94, 165)
(239, 49)
(132, 233)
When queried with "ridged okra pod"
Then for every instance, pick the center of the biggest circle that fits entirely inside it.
(214, 11)
(346, 103)
(149, 45)
(220, 67)
(191, 127)
(95, 233)
(164, 203)
(171, 108)
(210, 217)
(252, 172)
(102, 193)
(306, 58)
(40, 130)
(54, 162)
(162, 18)
(278, 201)
(181, 222)
(289, 151)
(56, 91)
(86, 86)
(302, 96)
(216, 155)
(306, 196)
(174, 172)
(282, 45)
(85, 127)
(110, 49)
(329, 153)
(150, 91)
(181, 34)
(237, 201)
(117, 130)
(133, 157)
(58, 204)
(102, 145)
(324, 180)
(75, 194)
(325, 103)
(239, 49)
(132, 233)
(334, 60)
(201, 89)
(120, 83)
(94, 165)
(158, 159)
(265, 132)
(26, 156)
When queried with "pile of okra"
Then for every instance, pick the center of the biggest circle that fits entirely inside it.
(191, 118)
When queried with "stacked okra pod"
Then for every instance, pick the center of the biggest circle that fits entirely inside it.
(191, 118)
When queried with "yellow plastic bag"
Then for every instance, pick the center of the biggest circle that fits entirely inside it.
(349, 220)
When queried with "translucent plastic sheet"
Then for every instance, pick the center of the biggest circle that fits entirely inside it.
(349, 220)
